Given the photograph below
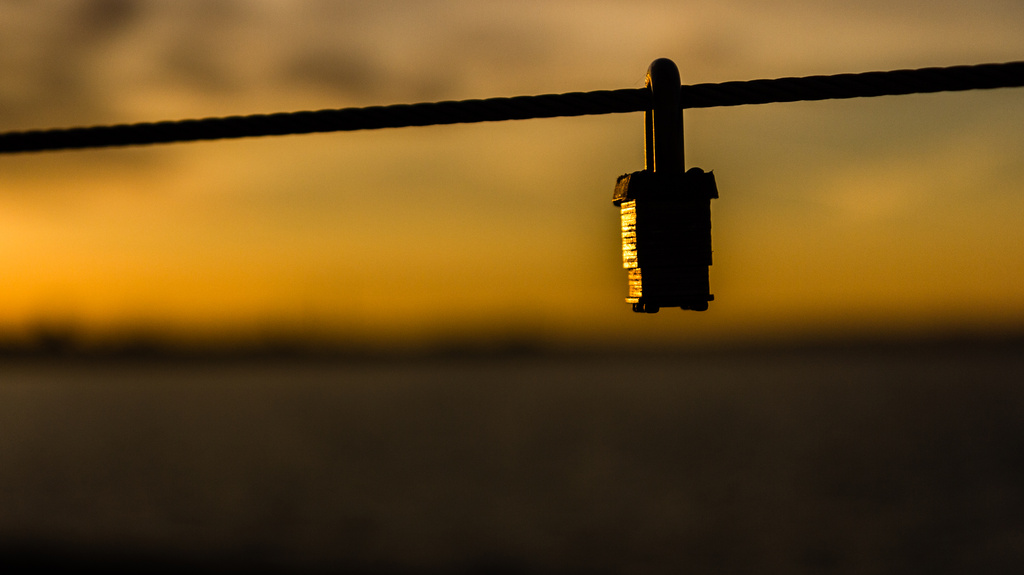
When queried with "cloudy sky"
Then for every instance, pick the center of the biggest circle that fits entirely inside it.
(885, 215)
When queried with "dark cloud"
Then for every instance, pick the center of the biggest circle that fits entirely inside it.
(350, 73)
(105, 17)
(49, 57)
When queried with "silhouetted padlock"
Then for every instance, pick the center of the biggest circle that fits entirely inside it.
(666, 212)
(666, 238)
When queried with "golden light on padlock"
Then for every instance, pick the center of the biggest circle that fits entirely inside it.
(666, 211)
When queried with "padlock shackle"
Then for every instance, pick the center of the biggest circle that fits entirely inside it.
(664, 121)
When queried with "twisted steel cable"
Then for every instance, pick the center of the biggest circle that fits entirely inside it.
(864, 85)
(344, 119)
(868, 84)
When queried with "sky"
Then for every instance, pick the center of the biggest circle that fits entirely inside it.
(881, 216)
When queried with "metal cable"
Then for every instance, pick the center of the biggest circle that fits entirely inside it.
(344, 119)
(867, 84)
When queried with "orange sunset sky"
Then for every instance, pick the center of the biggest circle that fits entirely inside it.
(893, 215)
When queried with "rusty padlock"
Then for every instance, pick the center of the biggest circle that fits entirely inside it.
(666, 212)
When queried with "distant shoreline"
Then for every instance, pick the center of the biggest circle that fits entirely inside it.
(47, 346)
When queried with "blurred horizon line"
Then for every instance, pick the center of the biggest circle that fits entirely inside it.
(63, 342)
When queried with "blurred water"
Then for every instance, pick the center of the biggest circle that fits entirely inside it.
(841, 461)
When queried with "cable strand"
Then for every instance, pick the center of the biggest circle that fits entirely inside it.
(864, 85)
(809, 88)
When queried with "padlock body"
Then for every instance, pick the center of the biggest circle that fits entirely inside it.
(666, 238)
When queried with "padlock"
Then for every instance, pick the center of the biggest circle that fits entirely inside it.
(666, 212)
(666, 238)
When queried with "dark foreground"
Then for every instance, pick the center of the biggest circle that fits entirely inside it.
(884, 459)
